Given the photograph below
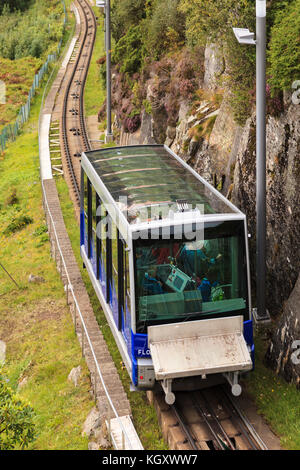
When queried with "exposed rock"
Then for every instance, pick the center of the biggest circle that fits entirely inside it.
(93, 446)
(171, 133)
(101, 439)
(283, 200)
(92, 423)
(74, 375)
(214, 66)
(222, 140)
(2, 352)
(283, 354)
(35, 279)
(23, 382)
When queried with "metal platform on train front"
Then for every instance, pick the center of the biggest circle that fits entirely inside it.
(199, 348)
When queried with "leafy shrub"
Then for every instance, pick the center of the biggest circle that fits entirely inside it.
(147, 106)
(17, 427)
(131, 124)
(34, 34)
(18, 223)
(129, 51)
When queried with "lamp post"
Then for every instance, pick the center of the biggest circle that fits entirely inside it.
(106, 5)
(244, 36)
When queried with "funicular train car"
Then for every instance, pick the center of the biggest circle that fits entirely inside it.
(168, 258)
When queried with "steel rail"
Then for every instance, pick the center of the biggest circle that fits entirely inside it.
(184, 427)
(217, 421)
(74, 182)
(246, 423)
(203, 415)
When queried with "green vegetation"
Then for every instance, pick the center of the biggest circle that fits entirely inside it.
(35, 323)
(34, 34)
(129, 50)
(126, 14)
(146, 32)
(276, 400)
(13, 5)
(25, 42)
(16, 419)
(284, 51)
(18, 77)
(94, 92)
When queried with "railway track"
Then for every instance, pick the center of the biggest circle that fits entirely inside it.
(74, 137)
(210, 420)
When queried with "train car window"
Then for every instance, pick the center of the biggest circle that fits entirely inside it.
(98, 235)
(90, 221)
(108, 230)
(114, 244)
(127, 283)
(121, 281)
(94, 225)
(181, 280)
(85, 196)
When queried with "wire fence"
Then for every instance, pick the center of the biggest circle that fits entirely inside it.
(10, 132)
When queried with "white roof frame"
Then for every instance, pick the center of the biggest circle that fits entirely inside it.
(126, 229)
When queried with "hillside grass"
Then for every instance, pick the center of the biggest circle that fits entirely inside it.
(275, 399)
(18, 77)
(18, 73)
(35, 321)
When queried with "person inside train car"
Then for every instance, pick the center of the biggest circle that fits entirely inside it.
(197, 257)
(152, 285)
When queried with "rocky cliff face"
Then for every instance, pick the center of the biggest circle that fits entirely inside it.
(283, 197)
(206, 136)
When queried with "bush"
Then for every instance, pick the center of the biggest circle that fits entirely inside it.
(131, 124)
(128, 52)
(13, 219)
(17, 428)
(211, 20)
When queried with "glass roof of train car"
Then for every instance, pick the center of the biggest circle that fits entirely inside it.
(148, 181)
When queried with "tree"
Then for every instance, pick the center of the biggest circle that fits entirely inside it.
(124, 14)
(17, 428)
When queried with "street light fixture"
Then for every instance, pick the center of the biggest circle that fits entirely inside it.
(246, 37)
(106, 5)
